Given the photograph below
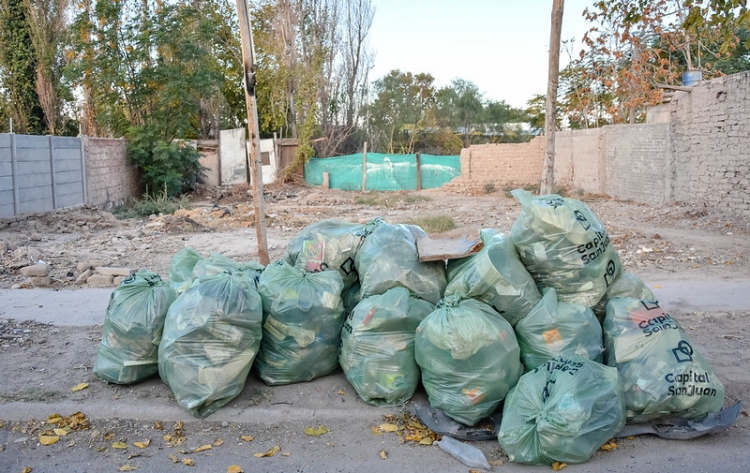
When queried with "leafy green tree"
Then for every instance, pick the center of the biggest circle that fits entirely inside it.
(460, 105)
(20, 61)
(399, 110)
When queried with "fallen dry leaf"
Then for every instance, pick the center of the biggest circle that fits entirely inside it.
(276, 449)
(143, 444)
(557, 466)
(496, 463)
(79, 387)
(109, 436)
(474, 470)
(235, 469)
(120, 445)
(188, 461)
(174, 458)
(218, 442)
(383, 455)
(312, 431)
(54, 419)
(26, 470)
(247, 438)
(202, 448)
(72, 443)
(376, 430)
(128, 468)
(286, 454)
(48, 439)
(342, 392)
(60, 432)
(389, 427)
(158, 426)
(426, 441)
(1, 425)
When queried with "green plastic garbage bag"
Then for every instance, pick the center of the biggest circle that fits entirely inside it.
(181, 269)
(563, 245)
(563, 411)
(132, 329)
(216, 263)
(302, 317)
(556, 328)
(377, 346)
(469, 358)
(211, 336)
(495, 275)
(626, 285)
(328, 244)
(662, 372)
(388, 258)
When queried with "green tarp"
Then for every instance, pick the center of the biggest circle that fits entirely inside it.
(385, 172)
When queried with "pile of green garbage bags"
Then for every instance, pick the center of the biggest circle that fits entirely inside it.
(543, 320)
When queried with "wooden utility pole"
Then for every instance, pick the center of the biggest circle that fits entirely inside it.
(419, 171)
(255, 165)
(548, 166)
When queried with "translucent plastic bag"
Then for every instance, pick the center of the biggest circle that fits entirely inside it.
(662, 372)
(563, 411)
(377, 346)
(388, 258)
(302, 317)
(216, 263)
(556, 328)
(496, 276)
(626, 285)
(181, 269)
(563, 245)
(328, 244)
(132, 329)
(469, 358)
(211, 336)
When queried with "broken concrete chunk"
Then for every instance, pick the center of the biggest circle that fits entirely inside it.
(83, 277)
(83, 266)
(44, 281)
(113, 271)
(36, 270)
(101, 280)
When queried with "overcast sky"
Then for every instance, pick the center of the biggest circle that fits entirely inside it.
(502, 46)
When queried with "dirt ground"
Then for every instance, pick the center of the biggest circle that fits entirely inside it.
(39, 363)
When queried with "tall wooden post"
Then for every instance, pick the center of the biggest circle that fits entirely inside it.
(548, 166)
(364, 168)
(419, 171)
(255, 165)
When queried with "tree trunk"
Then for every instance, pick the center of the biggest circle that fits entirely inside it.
(548, 167)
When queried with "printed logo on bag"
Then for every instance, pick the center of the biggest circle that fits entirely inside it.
(593, 249)
(582, 220)
(657, 324)
(650, 305)
(554, 202)
(348, 266)
(609, 276)
(683, 353)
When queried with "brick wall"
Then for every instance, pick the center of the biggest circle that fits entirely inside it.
(110, 177)
(579, 160)
(500, 165)
(710, 132)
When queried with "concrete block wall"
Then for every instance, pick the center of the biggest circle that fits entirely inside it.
(508, 164)
(637, 161)
(579, 160)
(110, 177)
(710, 130)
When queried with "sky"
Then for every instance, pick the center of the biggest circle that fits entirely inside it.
(502, 46)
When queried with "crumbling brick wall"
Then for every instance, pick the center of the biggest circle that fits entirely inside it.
(710, 134)
(499, 165)
(110, 176)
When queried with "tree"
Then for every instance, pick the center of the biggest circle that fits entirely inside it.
(460, 105)
(20, 61)
(548, 166)
(398, 112)
(636, 46)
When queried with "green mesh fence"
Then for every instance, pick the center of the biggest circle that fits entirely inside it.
(385, 172)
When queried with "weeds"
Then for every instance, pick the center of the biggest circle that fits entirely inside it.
(150, 205)
(389, 200)
(434, 224)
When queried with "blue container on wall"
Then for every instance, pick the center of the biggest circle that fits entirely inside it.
(691, 77)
